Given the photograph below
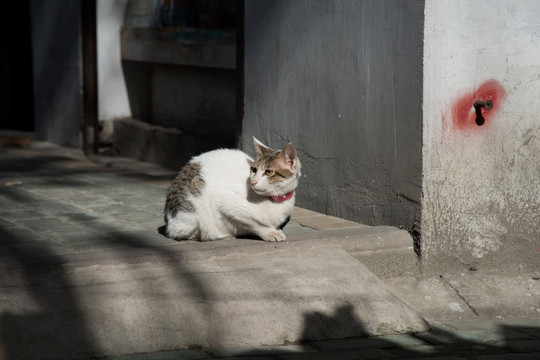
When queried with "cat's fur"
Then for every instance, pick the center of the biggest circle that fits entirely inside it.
(225, 193)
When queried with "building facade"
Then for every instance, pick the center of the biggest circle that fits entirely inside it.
(377, 96)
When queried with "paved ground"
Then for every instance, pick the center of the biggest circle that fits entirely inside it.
(453, 340)
(55, 205)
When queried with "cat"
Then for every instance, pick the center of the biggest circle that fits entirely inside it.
(225, 193)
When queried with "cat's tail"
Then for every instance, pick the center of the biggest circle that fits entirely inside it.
(163, 229)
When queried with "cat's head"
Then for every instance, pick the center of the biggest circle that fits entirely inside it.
(274, 172)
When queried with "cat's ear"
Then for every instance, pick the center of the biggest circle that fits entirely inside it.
(289, 155)
(261, 148)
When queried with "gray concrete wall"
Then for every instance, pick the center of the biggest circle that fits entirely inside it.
(56, 54)
(343, 82)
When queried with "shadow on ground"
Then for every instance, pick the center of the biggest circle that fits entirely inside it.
(38, 332)
(50, 323)
(44, 218)
(40, 308)
(442, 342)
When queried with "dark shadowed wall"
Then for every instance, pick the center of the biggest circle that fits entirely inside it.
(342, 80)
(56, 55)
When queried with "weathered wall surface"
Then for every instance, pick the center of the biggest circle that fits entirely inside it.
(343, 82)
(481, 200)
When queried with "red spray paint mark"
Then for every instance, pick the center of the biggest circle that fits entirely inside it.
(463, 113)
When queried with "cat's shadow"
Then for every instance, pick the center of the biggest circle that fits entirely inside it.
(163, 231)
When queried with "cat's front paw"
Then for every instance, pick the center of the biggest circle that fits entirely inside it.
(274, 235)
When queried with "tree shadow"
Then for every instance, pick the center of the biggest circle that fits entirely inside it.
(53, 324)
(50, 322)
(42, 314)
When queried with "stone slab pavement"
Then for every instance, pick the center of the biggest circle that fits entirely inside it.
(516, 339)
(81, 256)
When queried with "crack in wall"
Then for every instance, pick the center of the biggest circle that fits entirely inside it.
(475, 312)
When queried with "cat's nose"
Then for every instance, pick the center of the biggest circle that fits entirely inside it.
(254, 182)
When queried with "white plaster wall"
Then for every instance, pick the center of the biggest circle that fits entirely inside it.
(481, 184)
(113, 98)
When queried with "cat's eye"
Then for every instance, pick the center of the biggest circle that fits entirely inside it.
(253, 169)
(269, 172)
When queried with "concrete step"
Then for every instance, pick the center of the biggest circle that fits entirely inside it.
(224, 293)
(168, 147)
(85, 273)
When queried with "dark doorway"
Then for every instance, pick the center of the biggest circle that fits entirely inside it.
(17, 100)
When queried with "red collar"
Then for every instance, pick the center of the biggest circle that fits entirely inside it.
(282, 197)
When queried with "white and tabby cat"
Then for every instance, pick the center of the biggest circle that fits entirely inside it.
(224, 193)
